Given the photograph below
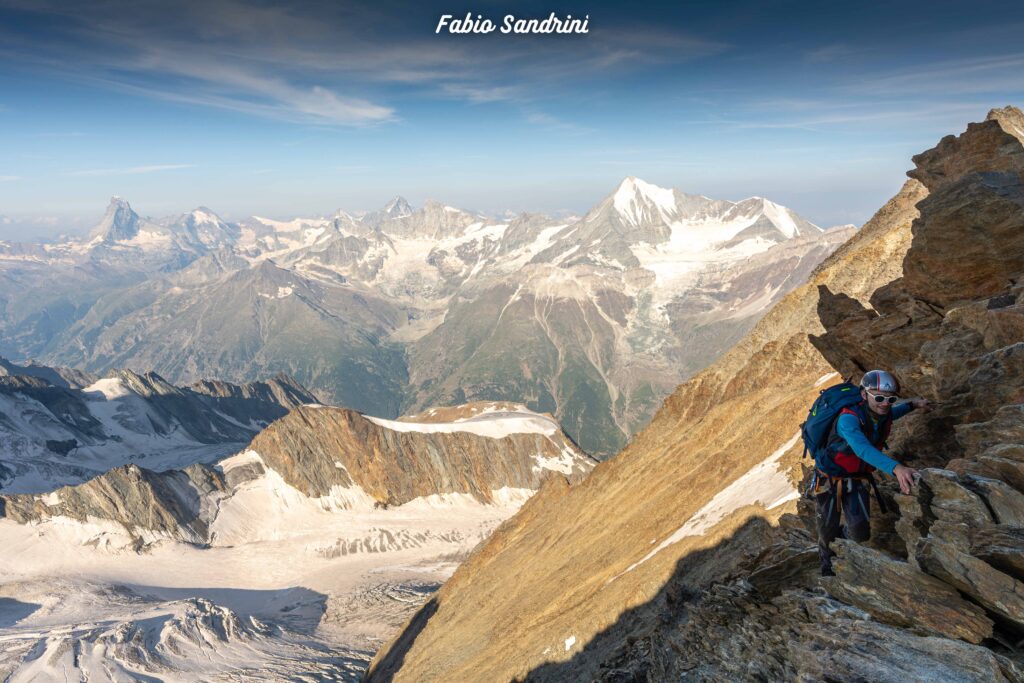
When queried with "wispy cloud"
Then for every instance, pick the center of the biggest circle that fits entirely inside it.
(275, 100)
(1001, 73)
(481, 94)
(328, 64)
(132, 170)
(9, 178)
(546, 120)
(829, 53)
(825, 114)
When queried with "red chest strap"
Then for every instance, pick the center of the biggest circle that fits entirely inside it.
(851, 411)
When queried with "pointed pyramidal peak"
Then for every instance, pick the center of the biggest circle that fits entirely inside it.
(119, 222)
(397, 208)
(638, 201)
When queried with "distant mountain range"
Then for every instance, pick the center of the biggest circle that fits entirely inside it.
(594, 319)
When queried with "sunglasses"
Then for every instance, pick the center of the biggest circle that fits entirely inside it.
(882, 399)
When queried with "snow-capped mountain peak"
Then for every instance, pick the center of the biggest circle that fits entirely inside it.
(203, 229)
(636, 200)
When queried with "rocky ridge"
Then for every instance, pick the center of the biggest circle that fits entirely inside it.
(315, 449)
(177, 504)
(333, 458)
(936, 595)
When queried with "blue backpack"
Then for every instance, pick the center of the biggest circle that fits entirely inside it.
(822, 415)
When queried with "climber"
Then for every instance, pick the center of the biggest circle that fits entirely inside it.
(851, 453)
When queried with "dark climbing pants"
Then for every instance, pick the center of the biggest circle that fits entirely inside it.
(853, 504)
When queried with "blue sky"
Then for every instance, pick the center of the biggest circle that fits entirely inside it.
(281, 109)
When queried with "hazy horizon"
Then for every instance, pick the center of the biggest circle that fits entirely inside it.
(50, 227)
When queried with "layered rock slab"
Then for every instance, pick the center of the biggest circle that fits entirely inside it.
(898, 594)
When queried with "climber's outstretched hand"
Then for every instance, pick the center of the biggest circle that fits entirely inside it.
(905, 476)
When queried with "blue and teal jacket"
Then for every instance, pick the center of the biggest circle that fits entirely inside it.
(854, 445)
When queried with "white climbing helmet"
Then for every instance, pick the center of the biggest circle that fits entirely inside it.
(880, 380)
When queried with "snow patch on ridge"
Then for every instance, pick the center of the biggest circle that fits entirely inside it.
(762, 485)
(564, 463)
(200, 216)
(503, 497)
(781, 217)
(825, 378)
(267, 508)
(494, 425)
(293, 225)
(110, 388)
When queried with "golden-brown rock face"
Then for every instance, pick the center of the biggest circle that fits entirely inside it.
(497, 446)
(965, 242)
(609, 579)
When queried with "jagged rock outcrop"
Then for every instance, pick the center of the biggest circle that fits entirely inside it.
(248, 403)
(1000, 546)
(998, 593)
(734, 634)
(599, 600)
(952, 329)
(253, 405)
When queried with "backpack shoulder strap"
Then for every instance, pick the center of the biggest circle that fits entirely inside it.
(854, 410)
(857, 410)
(883, 434)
